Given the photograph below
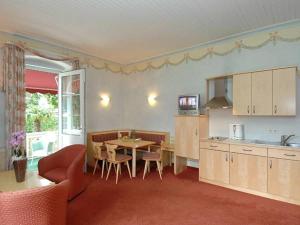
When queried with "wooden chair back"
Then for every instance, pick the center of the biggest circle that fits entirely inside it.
(111, 152)
(97, 147)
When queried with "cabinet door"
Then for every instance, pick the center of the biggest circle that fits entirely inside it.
(187, 136)
(242, 94)
(284, 178)
(248, 171)
(262, 93)
(284, 92)
(214, 165)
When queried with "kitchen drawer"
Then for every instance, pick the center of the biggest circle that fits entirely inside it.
(215, 146)
(249, 150)
(283, 154)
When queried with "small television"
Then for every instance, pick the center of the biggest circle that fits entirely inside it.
(189, 104)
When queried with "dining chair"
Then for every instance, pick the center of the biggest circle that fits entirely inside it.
(116, 159)
(99, 155)
(155, 156)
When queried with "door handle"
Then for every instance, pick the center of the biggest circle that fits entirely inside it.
(248, 109)
(226, 157)
(270, 163)
(275, 109)
(254, 109)
(247, 150)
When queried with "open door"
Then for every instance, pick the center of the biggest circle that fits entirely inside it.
(71, 108)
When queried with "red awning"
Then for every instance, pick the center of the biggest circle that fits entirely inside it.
(41, 82)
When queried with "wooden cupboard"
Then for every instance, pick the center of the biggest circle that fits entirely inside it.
(265, 93)
(242, 94)
(284, 173)
(188, 131)
(262, 93)
(268, 171)
(284, 92)
(248, 171)
(214, 165)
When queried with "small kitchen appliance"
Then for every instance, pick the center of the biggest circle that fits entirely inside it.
(236, 131)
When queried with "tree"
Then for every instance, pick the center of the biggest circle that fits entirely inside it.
(41, 112)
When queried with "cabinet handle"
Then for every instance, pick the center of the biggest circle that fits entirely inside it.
(213, 146)
(289, 155)
(226, 158)
(275, 109)
(247, 150)
(231, 158)
(270, 164)
(254, 109)
(248, 109)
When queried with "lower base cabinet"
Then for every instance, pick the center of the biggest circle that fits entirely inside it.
(214, 165)
(284, 178)
(248, 171)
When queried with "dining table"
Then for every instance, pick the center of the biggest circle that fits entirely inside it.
(32, 180)
(135, 145)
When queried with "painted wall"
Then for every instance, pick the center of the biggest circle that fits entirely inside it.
(169, 82)
(98, 117)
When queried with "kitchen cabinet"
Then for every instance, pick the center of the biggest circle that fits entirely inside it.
(242, 94)
(214, 165)
(265, 93)
(268, 171)
(284, 173)
(262, 93)
(248, 171)
(284, 178)
(188, 131)
(284, 92)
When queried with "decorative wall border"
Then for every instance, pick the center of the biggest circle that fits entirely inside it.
(252, 41)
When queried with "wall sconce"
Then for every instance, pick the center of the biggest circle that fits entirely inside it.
(104, 100)
(152, 99)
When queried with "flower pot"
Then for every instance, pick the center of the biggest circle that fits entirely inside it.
(20, 166)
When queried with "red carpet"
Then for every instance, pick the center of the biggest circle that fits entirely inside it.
(177, 200)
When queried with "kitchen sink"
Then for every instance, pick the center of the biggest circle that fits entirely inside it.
(295, 145)
(265, 142)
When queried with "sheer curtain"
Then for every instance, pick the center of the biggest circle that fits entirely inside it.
(13, 79)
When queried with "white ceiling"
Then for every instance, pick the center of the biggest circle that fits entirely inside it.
(125, 31)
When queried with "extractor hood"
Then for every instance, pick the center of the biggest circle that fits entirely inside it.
(220, 92)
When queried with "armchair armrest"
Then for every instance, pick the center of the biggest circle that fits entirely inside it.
(76, 166)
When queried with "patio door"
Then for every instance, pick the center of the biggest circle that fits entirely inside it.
(71, 110)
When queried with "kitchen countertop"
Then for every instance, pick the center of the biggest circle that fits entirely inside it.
(254, 143)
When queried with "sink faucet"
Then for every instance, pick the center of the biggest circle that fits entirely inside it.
(285, 138)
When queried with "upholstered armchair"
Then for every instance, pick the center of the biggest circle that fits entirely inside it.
(64, 164)
(45, 205)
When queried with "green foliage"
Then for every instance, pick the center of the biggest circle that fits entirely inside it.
(41, 112)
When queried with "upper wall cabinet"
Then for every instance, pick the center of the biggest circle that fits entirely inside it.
(265, 93)
(284, 92)
(242, 94)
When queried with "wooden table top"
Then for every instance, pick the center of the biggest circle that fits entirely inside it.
(32, 180)
(129, 143)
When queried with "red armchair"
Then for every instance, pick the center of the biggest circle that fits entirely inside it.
(65, 164)
(46, 205)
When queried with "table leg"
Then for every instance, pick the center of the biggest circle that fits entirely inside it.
(133, 162)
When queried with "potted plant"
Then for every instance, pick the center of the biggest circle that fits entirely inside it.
(18, 158)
